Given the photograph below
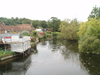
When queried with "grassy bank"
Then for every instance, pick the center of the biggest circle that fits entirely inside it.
(5, 53)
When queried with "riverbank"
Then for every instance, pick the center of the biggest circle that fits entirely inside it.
(7, 56)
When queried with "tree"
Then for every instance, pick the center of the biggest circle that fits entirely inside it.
(95, 13)
(43, 24)
(36, 23)
(26, 21)
(13, 21)
(54, 23)
(69, 29)
(89, 36)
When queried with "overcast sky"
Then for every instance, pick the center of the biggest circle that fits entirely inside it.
(45, 9)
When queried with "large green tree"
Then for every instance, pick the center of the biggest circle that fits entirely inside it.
(54, 23)
(89, 34)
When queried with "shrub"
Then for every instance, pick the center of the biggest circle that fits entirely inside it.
(89, 45)
(89, 37)
(25, 33)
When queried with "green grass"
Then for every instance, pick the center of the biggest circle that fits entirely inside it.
(7, 52)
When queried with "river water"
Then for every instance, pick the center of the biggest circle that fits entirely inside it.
(53, 58)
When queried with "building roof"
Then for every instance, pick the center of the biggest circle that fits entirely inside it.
(11, 28)
(20, 27)
(24, 25)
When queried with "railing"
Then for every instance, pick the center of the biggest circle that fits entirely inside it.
(18, 44)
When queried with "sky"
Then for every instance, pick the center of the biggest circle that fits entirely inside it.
(45, 9)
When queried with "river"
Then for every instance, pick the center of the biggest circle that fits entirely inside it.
(53, 58)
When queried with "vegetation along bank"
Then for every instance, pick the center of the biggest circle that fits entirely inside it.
(87, 34)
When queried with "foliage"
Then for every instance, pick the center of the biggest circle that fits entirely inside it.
(34, 33)
(40, 38)
(35, 23)
(39, 23)
(43, 24)
(89, 36)
(15, 21)
(59, 35)
(25, 33)
(90, 45)
(48, 34)
(45, 35)
(54, 23)
(90, 62)
(69, 29)
(90, 28)
(95, 13)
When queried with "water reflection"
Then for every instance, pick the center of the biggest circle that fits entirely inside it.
(91, 63)
(16, 67)
(69, 50)
(53, 58)
(65, 47)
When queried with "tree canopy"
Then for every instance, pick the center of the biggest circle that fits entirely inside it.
(15, 21)
(69, 29)
(54, 23)
(39, 23)
(95, 13)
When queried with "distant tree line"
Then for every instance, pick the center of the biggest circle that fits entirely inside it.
(53, 22)
(14, 21)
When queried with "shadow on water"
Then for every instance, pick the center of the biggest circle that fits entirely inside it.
(17, 66)
(91, 63)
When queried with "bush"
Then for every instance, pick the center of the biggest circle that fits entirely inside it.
(45, 35)
(89, 36)
(89, 45)
(40, 38)
(61, 36)
(49, 32)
